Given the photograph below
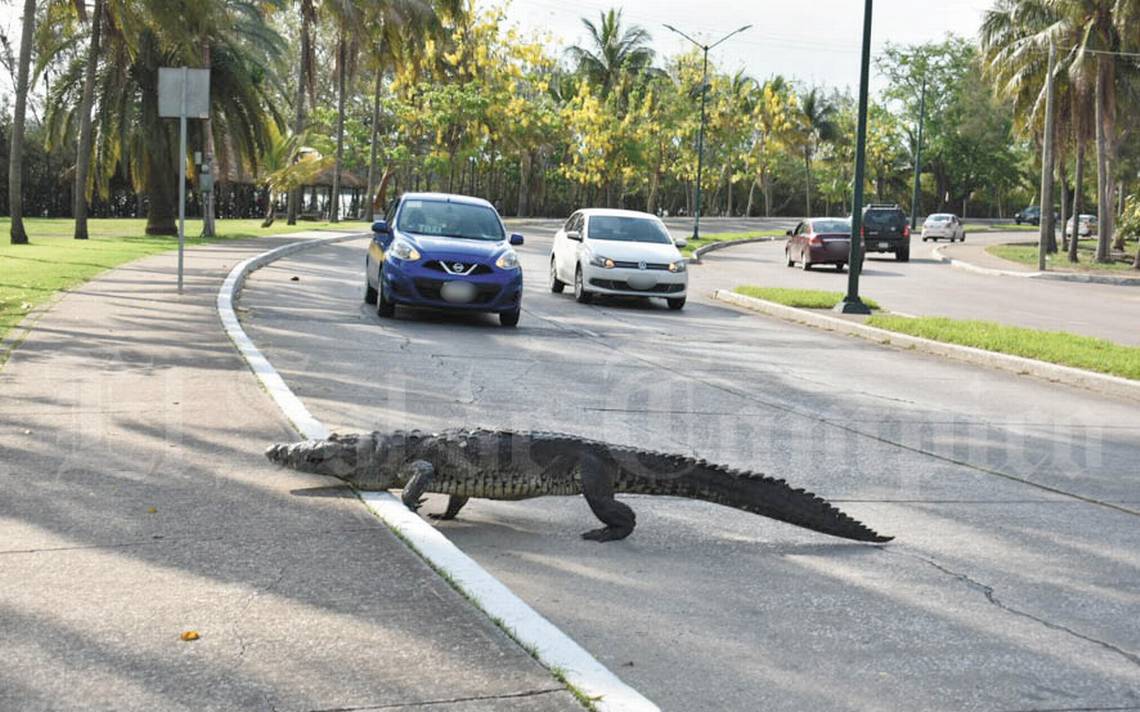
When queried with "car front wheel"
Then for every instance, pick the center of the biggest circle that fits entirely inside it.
(556, 285)
(384, 308)
(580, 293)
(510, 318)
(788, 257)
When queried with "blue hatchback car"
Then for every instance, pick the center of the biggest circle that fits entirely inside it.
(444, 252)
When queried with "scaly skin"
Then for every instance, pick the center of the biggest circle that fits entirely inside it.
(500, 464)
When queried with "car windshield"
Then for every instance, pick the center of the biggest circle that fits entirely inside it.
(939, 218)
(841, 227)
(441, 218)
(627, 229)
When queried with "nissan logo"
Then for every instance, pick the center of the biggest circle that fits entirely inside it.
(458, 266)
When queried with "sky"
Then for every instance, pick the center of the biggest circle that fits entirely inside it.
(813, 41)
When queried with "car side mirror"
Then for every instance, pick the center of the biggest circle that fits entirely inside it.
(574, 235)
(380, 227)
(681, 242)
(516, 239)
(788, 233)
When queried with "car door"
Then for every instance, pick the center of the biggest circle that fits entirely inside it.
(566, 250)
(796, 242)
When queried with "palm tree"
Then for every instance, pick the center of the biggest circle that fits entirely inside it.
(615, 55)
(818, 124)
(83, 152)
(19, 235)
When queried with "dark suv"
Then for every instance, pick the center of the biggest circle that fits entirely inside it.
(1032, 215)
(886, 228)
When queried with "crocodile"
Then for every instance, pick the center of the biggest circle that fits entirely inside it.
(510, 465)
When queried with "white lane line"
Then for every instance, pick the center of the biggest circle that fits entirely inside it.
(553, 648)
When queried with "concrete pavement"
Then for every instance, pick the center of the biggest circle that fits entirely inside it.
(997, 595)
(137, 506)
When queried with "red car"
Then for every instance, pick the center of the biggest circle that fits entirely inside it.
(820, 241)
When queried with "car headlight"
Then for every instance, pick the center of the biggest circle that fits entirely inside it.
(678, 266)
(403, 251)
(508, 260)
(603, 262)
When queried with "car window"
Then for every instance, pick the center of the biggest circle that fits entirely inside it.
(442, 218)
(799, 230)
(831, 226)
(877, 219)
(628, 229)
(570, 222)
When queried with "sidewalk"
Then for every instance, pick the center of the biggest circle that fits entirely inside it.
(135, 504)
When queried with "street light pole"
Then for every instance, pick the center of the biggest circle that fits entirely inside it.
(701, 132)
(918, 158)
(851, 303)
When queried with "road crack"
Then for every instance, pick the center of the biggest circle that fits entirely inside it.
(988, 591)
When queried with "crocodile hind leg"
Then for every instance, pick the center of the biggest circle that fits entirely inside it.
(419, 476)
(598, 488)
(454, 504)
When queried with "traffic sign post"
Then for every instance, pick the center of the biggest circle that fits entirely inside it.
(183, 93)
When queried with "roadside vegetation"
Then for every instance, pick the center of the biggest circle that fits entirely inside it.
(53, 262)
(708, 238)
(1052, 346)
(802, 298)
(1026, 254)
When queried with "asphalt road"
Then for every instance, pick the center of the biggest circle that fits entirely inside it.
(1012, 584)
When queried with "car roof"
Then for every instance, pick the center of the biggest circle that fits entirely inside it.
(448, 198)
(615, 212)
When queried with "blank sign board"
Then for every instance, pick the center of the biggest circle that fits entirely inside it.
(171, 83)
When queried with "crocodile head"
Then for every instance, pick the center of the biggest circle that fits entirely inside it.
(368, 461)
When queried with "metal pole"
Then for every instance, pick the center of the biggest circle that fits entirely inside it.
(851, 303)
(918, 158)
(701, 144)
(182, 176)
(1047, 235)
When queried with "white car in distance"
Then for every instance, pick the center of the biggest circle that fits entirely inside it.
(943, 225)
(621, 253)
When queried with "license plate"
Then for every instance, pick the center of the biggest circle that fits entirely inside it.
(458, 292)
(884, 245)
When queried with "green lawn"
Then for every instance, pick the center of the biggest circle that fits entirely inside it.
(709, 238)
(1053, 346)
(1026, 253)
(31, 274)
(803, 298)
(1009, 227)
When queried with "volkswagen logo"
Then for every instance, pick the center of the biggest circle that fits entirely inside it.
(458, 267)
(641, 265)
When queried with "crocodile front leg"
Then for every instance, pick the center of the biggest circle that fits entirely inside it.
(598, 488)
(454, 504)
(419, 475)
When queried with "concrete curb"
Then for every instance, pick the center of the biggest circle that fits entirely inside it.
(553, 648)
(1053, 276)
(1100, 382)
(701, 251)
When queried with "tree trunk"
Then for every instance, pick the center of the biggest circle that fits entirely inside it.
(1078, 189)
(83, 154)
(371, 191)
(1064, 206)
(524, 185)
(1102, 180)
(208, 203)
(270, 211)
(341, 79)
(296, 195)
(751, 194)
(807, 184)
(1118, 239)
(19, 235)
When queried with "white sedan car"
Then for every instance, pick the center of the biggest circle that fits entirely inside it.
(618, 252)
(943, 225)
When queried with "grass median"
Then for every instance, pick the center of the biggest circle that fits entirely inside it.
(53, 261)
(802, 298)
(1026, 254)
(1057, 347)
(709, 238)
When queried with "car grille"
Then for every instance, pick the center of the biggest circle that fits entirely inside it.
(457, 267)
(623, 286)
(660, 266)
(430, 289)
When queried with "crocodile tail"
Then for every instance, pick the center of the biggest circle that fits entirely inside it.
(747, 491)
